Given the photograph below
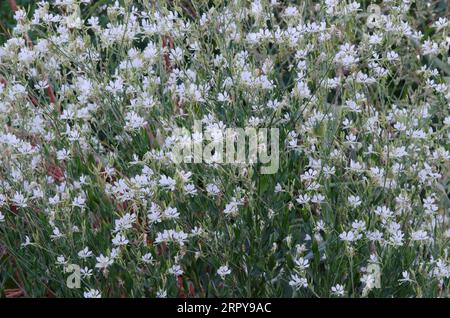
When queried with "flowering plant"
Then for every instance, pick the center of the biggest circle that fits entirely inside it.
(358, 205)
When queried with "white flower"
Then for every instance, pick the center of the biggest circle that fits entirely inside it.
(133, 121)
(171, 213)
(92, 293)
(298, 282)
(290, 12)
(62, 154)
(161, 294)
(167, 182)
(115, 86)
(405, 277)
(86, 272)
(154, 215)
(190, 189)
(278, 188)
(196, 231)
(212, 189)
(368, 281)
(349, 236)
(147, 258)
(318, 198)
(61, 260)
(338, 290)
(303, 90)
(231, 208)
(359, 226)
(56, 234)
(223, 271)
(171, 236)
(223, 97)
(80, 201)
(20, 200)
(115, 252)
(2, 199)
(2, 217)
(103, 262)
(354, 201)
(374, 235)
(392, 56)
(85, 253)
(176, 270)
(396, 238)
(120, 240)
(303, 199)
(27, 242)
(301, 263)
(125, 222)
(347, 56)
(419, 235)
(441, 23)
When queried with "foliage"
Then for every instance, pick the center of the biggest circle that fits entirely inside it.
(90, 94)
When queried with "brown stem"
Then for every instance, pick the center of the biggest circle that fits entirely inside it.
(13, 4)
(13, 293)
(51, 94)
(167, 41)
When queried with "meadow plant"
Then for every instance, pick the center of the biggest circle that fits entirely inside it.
(92, 203)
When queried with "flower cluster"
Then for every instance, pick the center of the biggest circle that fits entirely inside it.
(90, 96)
